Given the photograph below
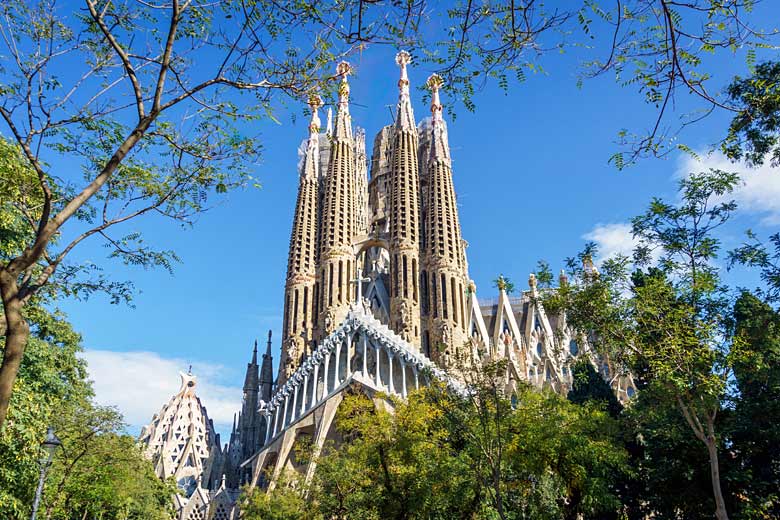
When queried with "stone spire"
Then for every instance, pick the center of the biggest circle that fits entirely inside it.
(404, 212)
(267, 373)
(405, 119)
(343, 129)
(249, 423)
(251, 381)
(440, 146)
(339, 219)
(299, 313)
(445, 273)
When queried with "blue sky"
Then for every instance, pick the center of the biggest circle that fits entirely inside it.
(532, 179)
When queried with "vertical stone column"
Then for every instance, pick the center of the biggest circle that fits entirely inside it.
(404, 211)
(299, 305)
(444, 258)
(339, 219)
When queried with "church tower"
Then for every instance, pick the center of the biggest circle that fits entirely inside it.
(299, 297)
(339, 219)
(444, 275)
(404, 212)
(249, 427)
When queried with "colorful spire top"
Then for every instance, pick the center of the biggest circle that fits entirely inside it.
(315, 102)
(403, 58)
(343, 128)
(434, 83)
(440, 147)
(344, 69)
(405, 120)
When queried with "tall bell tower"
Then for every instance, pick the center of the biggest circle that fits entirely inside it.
(404, 212)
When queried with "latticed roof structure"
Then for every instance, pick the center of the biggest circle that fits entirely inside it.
(180, 440)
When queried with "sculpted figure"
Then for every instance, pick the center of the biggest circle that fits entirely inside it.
(404, 325)
(294, 352)
(330, 324)
(444, 329)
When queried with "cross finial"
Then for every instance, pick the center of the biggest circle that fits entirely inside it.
(359, 282)
(189, 371)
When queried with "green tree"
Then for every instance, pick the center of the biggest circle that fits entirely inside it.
(669, 323)
(589, 386)
(436, 455)
(754, 436)
(101, 473)
(51, 376)
(754, 133)
(756, 254)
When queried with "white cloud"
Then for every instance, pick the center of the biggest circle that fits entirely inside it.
(612, 239)
(759, 192)
(140, 383)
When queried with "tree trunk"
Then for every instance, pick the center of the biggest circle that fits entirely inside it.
(17, 333)
(720, 504)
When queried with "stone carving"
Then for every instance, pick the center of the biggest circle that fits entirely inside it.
(404, 322)
(444, 331)
(330, 322)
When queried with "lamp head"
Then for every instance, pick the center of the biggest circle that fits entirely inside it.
(51, 443)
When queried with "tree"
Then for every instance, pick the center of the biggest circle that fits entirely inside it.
(109, 126)
(589, 386)
(51, 376)
(670, 322)
(754, 253)
(102, 473)
(754, 436)
(754, 133)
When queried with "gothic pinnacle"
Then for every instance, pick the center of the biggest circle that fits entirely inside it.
(343, 120)
(268, 348)
(403, 58)
(405, 119)
(254, 354)
(440, 148)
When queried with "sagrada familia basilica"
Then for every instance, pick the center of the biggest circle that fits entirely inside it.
(378, 299)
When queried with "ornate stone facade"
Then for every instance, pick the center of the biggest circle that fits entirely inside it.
(378, 297)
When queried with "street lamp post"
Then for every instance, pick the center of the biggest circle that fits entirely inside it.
(50, 445)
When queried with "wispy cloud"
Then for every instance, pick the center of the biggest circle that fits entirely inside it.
(759, 191)
(612, 240)
(139, 383)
